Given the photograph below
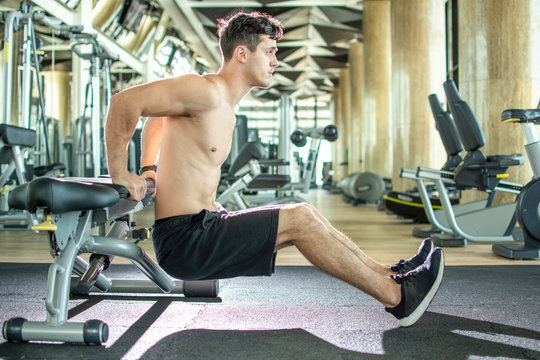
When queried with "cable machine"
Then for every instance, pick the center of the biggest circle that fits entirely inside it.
(87, 139)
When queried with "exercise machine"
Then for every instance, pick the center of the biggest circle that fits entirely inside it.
(528, 200)
(89, 151)
(244, 168)
(362, 187)
(17, 143)
(25, 19)
(452, 143)
(476, 171)
(491, 224)
(247, 176)
(73, 207)
(299, 139)
(409, 204)
(286, 191)
(14, 140)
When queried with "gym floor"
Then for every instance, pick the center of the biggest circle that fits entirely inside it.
(487, 306)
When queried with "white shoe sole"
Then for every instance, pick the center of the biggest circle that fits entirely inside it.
(419, 311)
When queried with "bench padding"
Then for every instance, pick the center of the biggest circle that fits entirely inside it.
(15, 135)
(63, 195)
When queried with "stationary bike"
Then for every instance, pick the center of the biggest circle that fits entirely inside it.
(528, 201)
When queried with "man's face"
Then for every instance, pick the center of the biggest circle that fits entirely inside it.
(263, 61)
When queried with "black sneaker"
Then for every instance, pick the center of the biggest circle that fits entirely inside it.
(418, 287)
(404, 266)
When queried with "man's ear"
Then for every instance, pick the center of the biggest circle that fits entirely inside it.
(240, 54)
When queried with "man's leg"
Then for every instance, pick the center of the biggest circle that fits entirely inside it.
(331, 251)
(402, 267)
(376, 266)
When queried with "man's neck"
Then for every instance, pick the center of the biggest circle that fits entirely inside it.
(237, 85)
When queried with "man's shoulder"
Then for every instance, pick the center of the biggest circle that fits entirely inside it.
(213, 80)
(207, 87)
(206, 79)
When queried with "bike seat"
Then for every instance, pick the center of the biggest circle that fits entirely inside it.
(506, 160)
(66, 194)
(17, 136)
(521, 115)
(484, 172)
(499, 161)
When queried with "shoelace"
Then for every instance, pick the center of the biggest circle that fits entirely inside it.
(399, 264)
(402, 278)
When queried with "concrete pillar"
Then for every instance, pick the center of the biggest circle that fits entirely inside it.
(418, 70)
(345, 92)
(498, 69)
(284, 146)
(57, 92)
(339, 152)
(376, 110)
(356, 61)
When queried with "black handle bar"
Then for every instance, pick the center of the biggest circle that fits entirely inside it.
(124, 193)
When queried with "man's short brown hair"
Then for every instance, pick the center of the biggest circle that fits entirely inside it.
(244, 29)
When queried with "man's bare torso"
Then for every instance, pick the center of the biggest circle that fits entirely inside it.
(192, 150)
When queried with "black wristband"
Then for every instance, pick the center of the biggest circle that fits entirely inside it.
(147, 168)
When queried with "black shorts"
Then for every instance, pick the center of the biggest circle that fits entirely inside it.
(218, 245)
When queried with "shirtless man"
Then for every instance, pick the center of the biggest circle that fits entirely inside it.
(188, 134)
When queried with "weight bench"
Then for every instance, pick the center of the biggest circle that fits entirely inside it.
(72, 207)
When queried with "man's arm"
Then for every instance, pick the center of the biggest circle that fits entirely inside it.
(178, 96)
(150, 142)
